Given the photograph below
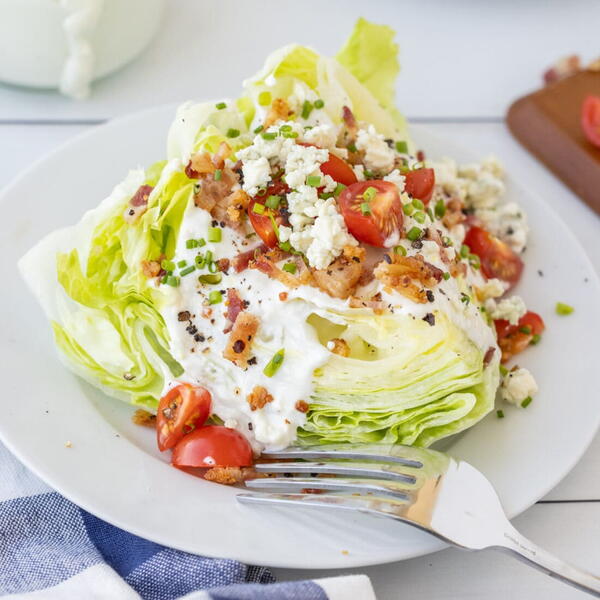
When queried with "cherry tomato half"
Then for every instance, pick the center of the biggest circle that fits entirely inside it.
(590, 119)
(262, 222)
(513, 339)
(180, 411)
(419, 183)
(213, 446)
(497, 258)
(372, 210)
(339, 170)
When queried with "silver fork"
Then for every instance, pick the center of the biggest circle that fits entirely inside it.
(427, 489)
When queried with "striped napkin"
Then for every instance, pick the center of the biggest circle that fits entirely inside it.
(50, 549)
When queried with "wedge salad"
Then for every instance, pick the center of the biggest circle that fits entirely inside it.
(296, 272)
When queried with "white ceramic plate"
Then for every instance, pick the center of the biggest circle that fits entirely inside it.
(113, 468)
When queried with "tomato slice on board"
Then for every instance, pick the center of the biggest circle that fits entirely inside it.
(180, 411)
(263, 222)
(497, 258)
(513, 339)
(213, 446)
(371, 216)
(419, 183)
(590, 119)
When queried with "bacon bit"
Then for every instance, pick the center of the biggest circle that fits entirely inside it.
(283, 296)
(457, 268)
(454, 213)
(138, 204)
(258, 398)
(265, 263)
(242, 260)
(420, 155)
(376, 305)
(200, 164)
(435, 235)
(223, 265)
(207, 313)
(144, 418)
(240, 339)
(564, 67)
(340, 278)
(230, 475)
(301, 406)
(222, 154)
(235, 305)
(279, 111)
(184, 315)
(487, 358)
(217, 197)
(350, 122)
(402, 273)
(151, 268)
(339, 346)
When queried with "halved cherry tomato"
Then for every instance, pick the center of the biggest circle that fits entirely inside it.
(513, 339)
(373, 218)
(590, 119)
(213, 446)
(339, 170)
(497, 259)
(419, 183)
(180, 411)
(262, 223)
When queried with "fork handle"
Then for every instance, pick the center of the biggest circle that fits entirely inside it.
(539, 558)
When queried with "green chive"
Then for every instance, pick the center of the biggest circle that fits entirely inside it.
(289, 134)
(430, 214)
(211, 279)
(419, 217)
(187, 270)
(232, 133)
(221, 105)
(258, 129)
(212, 267)
(418, 204)
(215, 297)
(201, 242)
(208, 257)
(268, 135)
(285, 128)
(319, 103)
(475, 261)
(414, 234)
(290, 268)
(313, 180)
(561, 308)
(500, 414)
(339, 188)
(402, 147)
(191, 243)
(273, 365)
(286, 246)
(464, 251)
(369, 193)
(503, 371)
(535, 339)
(440, 209)
(400, 250)
(408, 209)
(446, 275)
(172, 280)
(273, 202)
(526, 402)
(525, 329)
(465, 298)
(258, 209)
(368, 174)
(218, 175)
(351, 147)
(447, 241)
(307, 108)
(167, 265)
(264, 98)
(200, 261)
(365, 209)
(182, 263)
(214, 234)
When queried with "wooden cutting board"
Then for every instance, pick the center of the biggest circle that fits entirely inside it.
(548, 124)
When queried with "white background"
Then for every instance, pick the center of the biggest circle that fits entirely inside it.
(463, 62)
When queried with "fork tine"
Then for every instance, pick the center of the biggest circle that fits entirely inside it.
(368, 471)
(349, 486)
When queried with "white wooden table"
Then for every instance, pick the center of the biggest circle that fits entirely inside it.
(463, 62)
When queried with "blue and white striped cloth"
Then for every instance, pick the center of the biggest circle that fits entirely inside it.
(50, 549)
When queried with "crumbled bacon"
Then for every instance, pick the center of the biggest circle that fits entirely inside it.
(230, 475)
(144, 418)
(138, 204)
(301, 406)
(151, 268)
(350, 122)
(200, 164)
(375, 303)
(340, 278)
(457, 268)
(242, 260)
(221, 155)
(237, 203)
(223, 265)
(454, 213)
(339, 346)
(266, 263)
(258, 398)
(240, 339)
(488, 356)
(435, 236)
(235, 305)
(279, 111)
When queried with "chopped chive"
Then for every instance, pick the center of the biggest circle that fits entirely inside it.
(218, 175)
(369, 194)
(446, 275)
(408, 209)
(258, 209)
(211, 279)
(307, 108)
(290, 268)
(258, 129)
(208, 257)
(167, 265)
(430, 214)
(290, 134)
(418, 204)
(503, 371)
(264, 98)
(286, 246)
(402, 147)
(475, 261)
(313, 180)
(368, 174)
(187, 270)
(414, 234)
(465, 298)
(419, 217)
(171, 280)
(339, 188)
(440, 209)
(268, 135)
(201, 242)
(272, 202)
(214, 234)
(221, 105)
(200, 261)
(351, 147)
(365, 209)
(182, 263)
(400, 250)
(447, 241)
(212, 267)
(273, 365)
(526, 402)
(191, 243)
(525, 329)
(563, 309)
(500, 414)
(464, 251)
(232, 133)
(319, 103)
(215, 297)
(535, 339)
(285, 128)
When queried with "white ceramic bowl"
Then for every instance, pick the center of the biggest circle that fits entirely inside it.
(37, 37)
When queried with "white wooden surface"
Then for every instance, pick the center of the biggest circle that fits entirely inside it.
(463, 62)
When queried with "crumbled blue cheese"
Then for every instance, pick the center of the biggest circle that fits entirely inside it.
(378, 155)
(396, 178)
(301, 162)
(493, 288)
(359, 171)
(324, 136)
(518, 385)
(257, 174)
(507, 222)
(511, 309)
